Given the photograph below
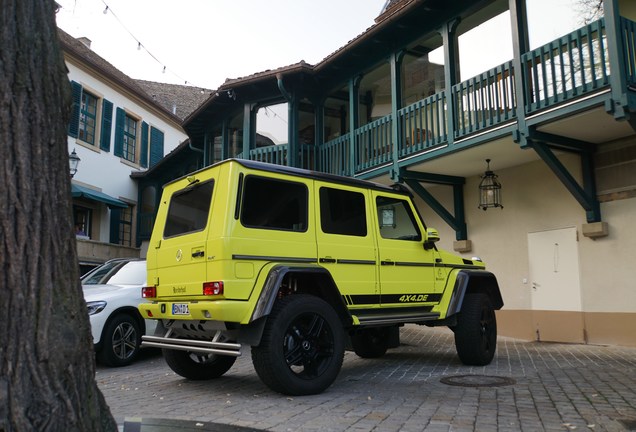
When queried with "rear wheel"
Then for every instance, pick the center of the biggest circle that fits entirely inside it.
(302, 347)
(371, 343)
(197, 366)
(121, 341)
(476, 330)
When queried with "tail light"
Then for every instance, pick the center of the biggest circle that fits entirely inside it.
(213, 288)
(149, 292)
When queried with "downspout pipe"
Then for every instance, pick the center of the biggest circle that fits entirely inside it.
(281, 87)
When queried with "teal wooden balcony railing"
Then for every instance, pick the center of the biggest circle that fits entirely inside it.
(485, 100)
(373, 144)
(566, 68)
(422, 125)
(275, 154)
(333, 156)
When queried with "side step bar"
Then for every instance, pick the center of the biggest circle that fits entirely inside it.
(198, 346)
(384, 319)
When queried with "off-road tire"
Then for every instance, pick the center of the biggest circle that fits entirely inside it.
(121, 341)
(302, 347)
(197, 366)
(371, 343)
(476, 330)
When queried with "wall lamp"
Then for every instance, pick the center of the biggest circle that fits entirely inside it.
(73, 162)
(489, 189)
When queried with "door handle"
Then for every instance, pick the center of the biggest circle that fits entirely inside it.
(198, 254)
(327, 260)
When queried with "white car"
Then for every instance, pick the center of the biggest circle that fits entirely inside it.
(112, 292)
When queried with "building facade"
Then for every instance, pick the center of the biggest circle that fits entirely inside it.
(118, 126)
(399, 103)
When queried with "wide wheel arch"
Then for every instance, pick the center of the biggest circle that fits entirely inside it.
(474, 282)
(288, 279)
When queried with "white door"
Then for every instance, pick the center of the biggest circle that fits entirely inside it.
(555, 284)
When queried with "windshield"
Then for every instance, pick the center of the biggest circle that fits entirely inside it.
(118, 273)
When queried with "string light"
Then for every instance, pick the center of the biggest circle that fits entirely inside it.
(140, 45)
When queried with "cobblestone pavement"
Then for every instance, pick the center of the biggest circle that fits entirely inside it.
(554, 387)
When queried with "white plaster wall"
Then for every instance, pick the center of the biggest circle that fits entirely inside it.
(608, 264)
(535, 200)
(102, 169)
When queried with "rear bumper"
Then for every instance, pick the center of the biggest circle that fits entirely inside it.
(217, 310)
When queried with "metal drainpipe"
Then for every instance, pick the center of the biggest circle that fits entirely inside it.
(281, 87)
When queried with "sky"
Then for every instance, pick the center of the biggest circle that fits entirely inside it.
(204, 42)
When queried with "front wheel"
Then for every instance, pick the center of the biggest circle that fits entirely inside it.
(476, 331)
(196, 366)
(302, 347)
(121, 341)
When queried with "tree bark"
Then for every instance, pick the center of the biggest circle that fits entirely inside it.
(47, 366)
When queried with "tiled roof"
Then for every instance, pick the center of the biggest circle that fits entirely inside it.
(181, 100)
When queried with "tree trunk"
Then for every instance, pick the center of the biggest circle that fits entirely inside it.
(47, 366)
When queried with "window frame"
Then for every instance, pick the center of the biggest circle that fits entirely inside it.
(303, 211)
(183, 192)
(127, 154)
(395, 204)
(85, 116)
(327, 222)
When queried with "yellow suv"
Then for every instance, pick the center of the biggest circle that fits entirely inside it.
(300, 266)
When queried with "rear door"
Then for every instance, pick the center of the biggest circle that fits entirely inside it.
(346, 245)
(181, 252)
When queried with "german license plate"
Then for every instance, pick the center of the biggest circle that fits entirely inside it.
(180, 309)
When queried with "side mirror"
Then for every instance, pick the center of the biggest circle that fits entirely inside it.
(432, 237)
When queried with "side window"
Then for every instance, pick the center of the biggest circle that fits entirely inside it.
(342, 212)
(274, 204)
(396, 219)
(188, 211)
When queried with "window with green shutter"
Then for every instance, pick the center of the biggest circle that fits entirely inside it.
(125, 136)
(156, 146)
(143, 154)
(73, 127)
(107, 121)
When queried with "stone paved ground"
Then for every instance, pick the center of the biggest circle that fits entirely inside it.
(557, 387)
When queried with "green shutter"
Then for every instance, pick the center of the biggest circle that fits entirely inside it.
(143, 157)
(107, 123)
(156, 146)
(73, 126)
(120, 118)
(115, 215)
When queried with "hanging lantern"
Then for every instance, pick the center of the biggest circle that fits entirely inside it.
(489, 189)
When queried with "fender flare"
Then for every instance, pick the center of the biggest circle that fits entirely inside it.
(274, 279)
(470, 281)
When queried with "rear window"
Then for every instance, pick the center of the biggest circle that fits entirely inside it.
(274, 204)
(118, 273)
(342, 212)
(189, 209)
